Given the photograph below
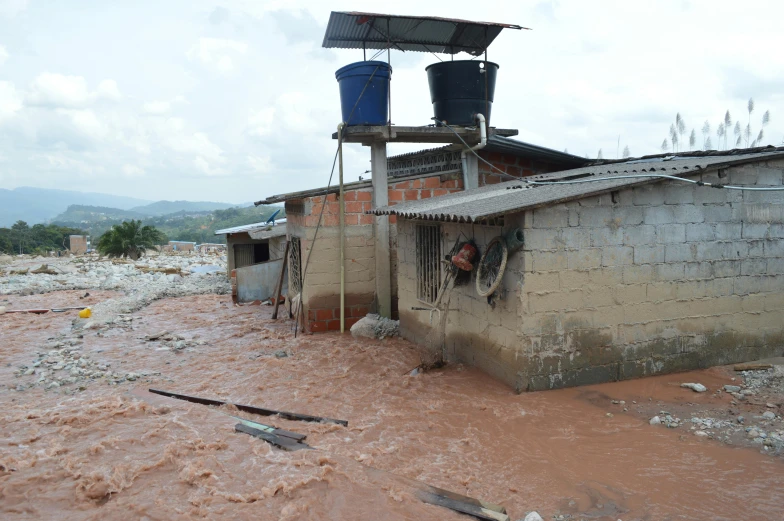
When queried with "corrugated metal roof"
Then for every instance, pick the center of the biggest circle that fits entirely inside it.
(505, 145)
(353, 30)
(513, 196)
(247, 228)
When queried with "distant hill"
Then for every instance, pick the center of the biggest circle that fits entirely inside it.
(77, 214)
(169, 207)
(185, 225)
(38, 205)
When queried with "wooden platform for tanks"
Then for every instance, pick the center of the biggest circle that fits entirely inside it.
(399, 134)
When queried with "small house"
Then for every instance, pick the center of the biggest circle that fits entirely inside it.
(255, 258)
(79, 244)
(424, 175)
(182, 246)
(611, 271)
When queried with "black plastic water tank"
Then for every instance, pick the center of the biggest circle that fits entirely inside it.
(460, 89)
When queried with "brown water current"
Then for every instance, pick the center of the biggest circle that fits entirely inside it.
(119, 452)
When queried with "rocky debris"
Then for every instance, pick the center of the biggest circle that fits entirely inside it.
(173, 342)
(375, 326)
(150, 278)
(281, 354)
(532, 516)
(699, 388)
(732, 388)
(655, 421)
(769, 415)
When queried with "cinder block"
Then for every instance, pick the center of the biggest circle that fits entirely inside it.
(551, 217)
(617, 256)
(549, 261)
(648, 196)
(774, 248)
(630, 294)
(639, 235)
(728, 231)
(775, 265)
(684, 252)
(698, 270)
(688, 213)
(584, 259)
(658, 215)
(757, 266)
(629, 215)
(536, 282)
(638, 274)
(540, 239)
(573, 279)
(755, 231)
(669, 271)
(717, 213)
(672, 233)
(606, 236)
(700, 232)
(708, 195)
(595, 216)
(728, 268)
(574, 238)
(676, 192)
(768, 176)
(648, 254)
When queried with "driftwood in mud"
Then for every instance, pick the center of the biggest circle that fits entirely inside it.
(252, 409)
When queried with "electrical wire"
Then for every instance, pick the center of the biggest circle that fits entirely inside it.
(612, 178)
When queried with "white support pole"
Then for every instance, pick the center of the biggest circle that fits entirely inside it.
(378, 166)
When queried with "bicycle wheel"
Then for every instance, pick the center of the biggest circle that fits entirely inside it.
(491, 267)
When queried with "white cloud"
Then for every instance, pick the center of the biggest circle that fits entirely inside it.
(86, 122)
(59, 90)
(132, 171)
(3, 54)
(260, 164)
(157, 108)
(107, 89)
(10, 100)
(217, 53)
(11, 8)
(260, 123)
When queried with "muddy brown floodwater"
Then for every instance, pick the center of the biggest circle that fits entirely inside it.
(115, 451)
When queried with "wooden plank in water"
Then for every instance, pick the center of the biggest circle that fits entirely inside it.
(752, 366)
(469, 506)
(270, 429)
(278, 441)
(250, 408)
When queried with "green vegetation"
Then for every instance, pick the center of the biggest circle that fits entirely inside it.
(38, 239)
(77, 213)
(181, 226)
(168, 207)
(130, 239)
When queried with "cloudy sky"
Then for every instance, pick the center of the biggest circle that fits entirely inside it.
(236, 100)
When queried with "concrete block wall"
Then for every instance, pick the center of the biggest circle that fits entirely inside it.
(659, 278)
(78, 244)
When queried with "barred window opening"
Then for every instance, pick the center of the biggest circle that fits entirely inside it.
(428, 265)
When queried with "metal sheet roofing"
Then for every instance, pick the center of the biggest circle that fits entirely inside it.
(353, 30)
(513, 196)
(276, 230)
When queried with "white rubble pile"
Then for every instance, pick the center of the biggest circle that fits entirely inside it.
(143, 281)
(375, 326)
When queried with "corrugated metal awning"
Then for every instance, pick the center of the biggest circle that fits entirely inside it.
(352, 30)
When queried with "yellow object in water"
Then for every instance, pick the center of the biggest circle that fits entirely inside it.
(85, 313)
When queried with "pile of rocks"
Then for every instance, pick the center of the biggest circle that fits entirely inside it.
(169, 275)
(64, 364)
(375, 326)
(173, 342)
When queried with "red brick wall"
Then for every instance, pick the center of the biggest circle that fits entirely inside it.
(321, 320)
(511, 165)
(358, 202)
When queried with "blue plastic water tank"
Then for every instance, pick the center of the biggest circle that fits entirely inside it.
(358, 104)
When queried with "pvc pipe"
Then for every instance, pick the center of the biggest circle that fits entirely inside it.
(342, 204)
(482, 144)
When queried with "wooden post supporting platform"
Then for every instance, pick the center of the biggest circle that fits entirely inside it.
(279, 286)
(378, 165)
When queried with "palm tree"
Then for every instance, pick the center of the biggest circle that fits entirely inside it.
(130, 239)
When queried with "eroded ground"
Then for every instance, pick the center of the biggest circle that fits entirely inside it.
(102, 447)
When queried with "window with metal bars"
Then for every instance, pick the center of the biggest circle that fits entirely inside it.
(295, 274)
(428, 265)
